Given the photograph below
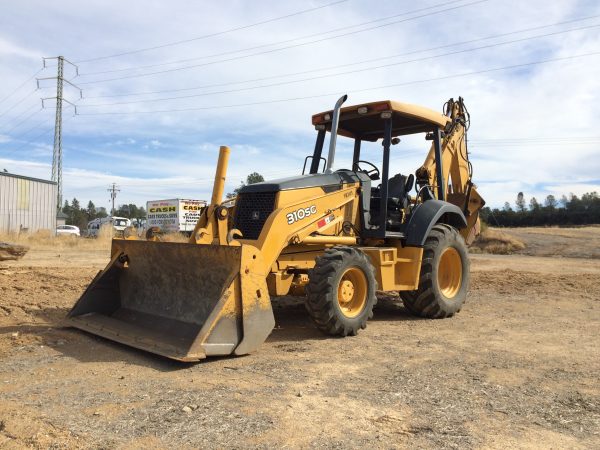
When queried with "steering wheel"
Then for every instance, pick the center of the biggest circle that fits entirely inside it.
(372, 173)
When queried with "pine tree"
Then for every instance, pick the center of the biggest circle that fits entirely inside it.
(520, 202)
(533, 204)
(550, 202)
(91, 211)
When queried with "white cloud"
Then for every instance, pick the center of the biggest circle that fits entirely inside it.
(10, 49)
(552, 100)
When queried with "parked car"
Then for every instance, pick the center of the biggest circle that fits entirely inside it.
(68, 230)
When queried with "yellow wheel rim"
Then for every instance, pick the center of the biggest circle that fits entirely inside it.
(352, 292)
(450, 272)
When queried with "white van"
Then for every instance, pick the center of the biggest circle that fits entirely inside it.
(118, 224)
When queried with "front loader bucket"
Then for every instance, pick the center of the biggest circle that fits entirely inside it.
(182, 301)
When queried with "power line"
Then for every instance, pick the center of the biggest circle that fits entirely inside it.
(365, 69)
(218, 33)
(541, 144)
(18, 102)
(24, 133)
(14, 151)
(28, 142)
(20, 86)
(456, 44)
(21, 114)
(24, 120)
(281, 48)
(514, 66)
(270, 44)
(544, 138)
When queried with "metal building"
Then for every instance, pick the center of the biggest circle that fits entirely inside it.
(26, 204)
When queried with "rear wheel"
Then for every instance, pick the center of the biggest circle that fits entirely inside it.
(444, 279)
(341, 291)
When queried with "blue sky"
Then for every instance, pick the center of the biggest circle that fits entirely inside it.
(533, 126)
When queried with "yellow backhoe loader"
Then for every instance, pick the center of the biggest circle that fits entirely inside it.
(331, 235)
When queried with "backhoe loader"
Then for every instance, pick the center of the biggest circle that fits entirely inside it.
(334, 236)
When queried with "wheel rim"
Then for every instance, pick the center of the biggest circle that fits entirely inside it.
(450, 272)
(352, 292)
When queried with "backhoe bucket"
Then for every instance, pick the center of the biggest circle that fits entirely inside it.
(182, 301)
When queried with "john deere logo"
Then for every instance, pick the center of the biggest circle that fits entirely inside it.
(255, 215)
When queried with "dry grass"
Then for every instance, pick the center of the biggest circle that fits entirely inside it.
(174, 237)
(497, 242)
(45, 239)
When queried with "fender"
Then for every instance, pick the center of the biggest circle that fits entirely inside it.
(426, 215)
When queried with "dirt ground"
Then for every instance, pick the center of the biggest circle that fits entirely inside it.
(517, 367)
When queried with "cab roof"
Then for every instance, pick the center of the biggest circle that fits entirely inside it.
(369, 126)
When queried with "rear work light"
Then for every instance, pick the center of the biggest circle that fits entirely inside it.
(384, 106)
(363, 110)
(320, 118)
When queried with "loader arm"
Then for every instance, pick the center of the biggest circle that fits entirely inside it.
(456, 170)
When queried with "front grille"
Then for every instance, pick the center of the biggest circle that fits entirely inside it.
(252, 211)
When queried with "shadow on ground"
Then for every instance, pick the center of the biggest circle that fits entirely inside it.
(293, 324)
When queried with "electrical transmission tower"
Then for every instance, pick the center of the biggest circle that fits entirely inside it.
(57, 151)
(113, 194)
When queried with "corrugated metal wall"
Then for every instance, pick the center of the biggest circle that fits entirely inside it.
(26, 203)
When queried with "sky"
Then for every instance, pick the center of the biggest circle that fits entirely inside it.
(164, 84)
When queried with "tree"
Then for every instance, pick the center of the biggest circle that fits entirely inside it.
(91, 210)
(252, 178)
(101, 212)
(131, 211)
(520, 202)
(66, 208)
(550, 202)
(564, 201)
(533, 204)
(76, 215)
(507, 207)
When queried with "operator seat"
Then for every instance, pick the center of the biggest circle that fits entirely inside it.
(398, 199)
(397, 190)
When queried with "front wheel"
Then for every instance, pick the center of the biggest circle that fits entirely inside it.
(341, 291)
(444, 278)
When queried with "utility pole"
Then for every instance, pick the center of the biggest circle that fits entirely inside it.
(57, 150)
(113, 194)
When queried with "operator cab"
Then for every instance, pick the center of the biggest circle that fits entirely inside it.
(383, 207)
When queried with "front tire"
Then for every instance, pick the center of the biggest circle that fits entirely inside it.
(341, 291)
(444, 278)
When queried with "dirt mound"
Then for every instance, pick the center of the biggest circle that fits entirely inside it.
(10, 251)
(574, 242)
(497, 242)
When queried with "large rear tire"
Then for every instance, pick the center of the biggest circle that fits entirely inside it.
(341, 291)
(444, 278)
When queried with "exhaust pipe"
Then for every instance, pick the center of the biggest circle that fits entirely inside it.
(334, 127)
(219, 183)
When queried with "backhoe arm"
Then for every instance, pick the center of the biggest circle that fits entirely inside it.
(457, 171)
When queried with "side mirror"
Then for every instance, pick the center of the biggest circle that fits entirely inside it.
(410, 182)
